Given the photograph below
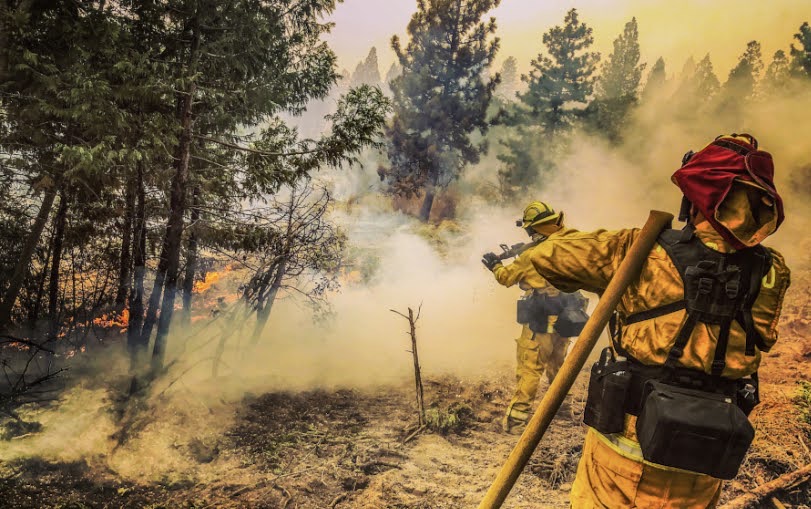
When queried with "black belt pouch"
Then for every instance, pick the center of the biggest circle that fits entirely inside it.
(693, 430)
(608, 388)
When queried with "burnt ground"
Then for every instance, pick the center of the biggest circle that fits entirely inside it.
(357, 448)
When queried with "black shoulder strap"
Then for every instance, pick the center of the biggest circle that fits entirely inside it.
(667, 239)
(762, 264)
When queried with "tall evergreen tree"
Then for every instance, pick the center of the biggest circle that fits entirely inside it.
(367, 72)
(657, 78)
(395, 70)
(508, 87)
(558, 87)
(59, 112)
(801, 56)
(743, 78)
(560, 84)
(618, 84)
(778, 75)
(705, 82)
(622, 72)
(440, 98)
(698, 87)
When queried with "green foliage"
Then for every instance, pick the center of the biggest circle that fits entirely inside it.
(622, 72)
(454, 419)
(618, 85)
(778, 75)
(440, 98)
(657, 78)
(801, 56)
(698, 88)
(561, 83)
(508, 87)
(94, 98)
(744, 76)
(803, 401)
(559, 86)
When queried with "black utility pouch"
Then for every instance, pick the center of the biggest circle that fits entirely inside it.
(529, 307)
(570, 322)
(747, 395)
(608, 388)
(693, 430)
(532, 312)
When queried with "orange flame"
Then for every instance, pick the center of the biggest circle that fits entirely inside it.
(211, 278)
(113, 320)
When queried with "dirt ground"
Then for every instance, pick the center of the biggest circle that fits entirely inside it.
(357, 448)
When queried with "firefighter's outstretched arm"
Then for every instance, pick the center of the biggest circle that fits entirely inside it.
(573, 260)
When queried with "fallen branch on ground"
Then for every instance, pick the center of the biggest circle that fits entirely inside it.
(784, 482)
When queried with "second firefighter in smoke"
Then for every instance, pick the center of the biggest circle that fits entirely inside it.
(549, 317)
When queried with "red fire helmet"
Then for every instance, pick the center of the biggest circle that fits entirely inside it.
(707, 178)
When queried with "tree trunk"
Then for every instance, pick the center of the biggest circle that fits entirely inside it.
(177, 206)
(191, 259)
(137, 348)
(33, 317)
(263, 314)
(427, 204)
(124, 275)
(24, 260)
(154, 299)
(56, 263)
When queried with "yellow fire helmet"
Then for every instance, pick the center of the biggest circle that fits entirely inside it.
(537, 213)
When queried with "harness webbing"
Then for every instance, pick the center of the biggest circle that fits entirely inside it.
(685, 250)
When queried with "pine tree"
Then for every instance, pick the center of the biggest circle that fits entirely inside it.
(698, 87)
(561, 83)
(618, 84)
(510, 77)
(58, 111)
(706, 82)
(558, 87)
(367, 72)
(743, 78)
(657, 78)
(801, 56)
(440, 98)
(622, 72)
(778, 75)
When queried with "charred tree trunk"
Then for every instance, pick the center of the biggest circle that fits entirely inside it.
(56, 263)
(137, 348)
(263, 313)
(191, 259)
(33, 316)
(125, 260)
(427, 204)
(24, 260)
(177, 206)
(154, 299)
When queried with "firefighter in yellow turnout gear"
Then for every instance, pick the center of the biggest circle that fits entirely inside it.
(661, 326)
(537, 352)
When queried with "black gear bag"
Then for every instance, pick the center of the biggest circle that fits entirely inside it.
(608, 390)
(535, 309)
(573, 317)
(693, 430)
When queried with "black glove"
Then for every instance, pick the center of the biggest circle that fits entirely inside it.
(490, 260)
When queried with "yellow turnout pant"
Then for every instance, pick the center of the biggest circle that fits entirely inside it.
(611, 476)
(536, 353)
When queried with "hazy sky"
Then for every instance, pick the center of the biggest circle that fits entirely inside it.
(674, 29)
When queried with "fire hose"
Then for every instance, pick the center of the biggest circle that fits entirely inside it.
(627, 272)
